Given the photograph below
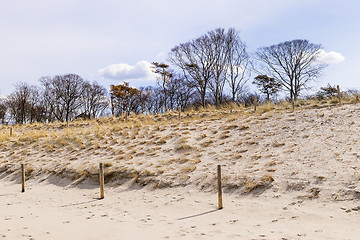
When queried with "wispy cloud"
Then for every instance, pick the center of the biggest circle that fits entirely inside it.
(141, 71)
(330, 57)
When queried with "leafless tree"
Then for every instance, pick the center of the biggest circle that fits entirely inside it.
(219, 51)
(179, 92)
(238, 63)
(145, 99)
(211, 60)
(195, 60)
(94, 100)
(3, 110)
(18, 102)
(63, 94)
(293, 64)
(24, 103)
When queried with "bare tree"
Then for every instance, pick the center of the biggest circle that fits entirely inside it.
(219, 51)
(94, 100)
(23, 103)
(195, 59)
(211, 60)
(3, 110)
(179, 92)
(293, 64)
(145, 97)
(18, 102)
(184, 93)
(237, 62)
(63, 94)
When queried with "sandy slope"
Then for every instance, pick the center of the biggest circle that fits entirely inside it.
(285, 175)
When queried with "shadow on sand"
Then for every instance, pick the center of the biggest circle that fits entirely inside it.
(81, 203)
(198, 215)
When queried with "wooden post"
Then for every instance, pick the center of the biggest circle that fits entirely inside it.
(22, 178)
(219, 187)
(11, 131)
(101, 175)
(255, 103)
(126, 116)
(179, 114)
(339, 95)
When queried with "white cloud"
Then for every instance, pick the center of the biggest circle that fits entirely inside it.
(141, 71)
(330, 57)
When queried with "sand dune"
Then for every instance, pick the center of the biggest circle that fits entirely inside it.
(286, 175)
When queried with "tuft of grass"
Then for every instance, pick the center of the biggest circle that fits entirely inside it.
(161, 141)
(182, 160)
(49, 148)
(263, 183)
(182, 145)
(107, 164)
(225, 134)
(206, 143)
(4, 137)
(266, 107)
(29, 170)
(228, 127)
(242, 128)
(32, 136)
(277, 144)
(202, 136)
(188, 169)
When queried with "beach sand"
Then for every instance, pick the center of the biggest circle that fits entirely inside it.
(48, 211)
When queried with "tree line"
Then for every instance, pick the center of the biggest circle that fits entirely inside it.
(211, 69)
(60, 98)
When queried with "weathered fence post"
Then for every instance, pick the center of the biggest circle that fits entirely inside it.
(339, 95)
(11, 131)
(126, 116)
(101, 176)
(22, 178)
(219, 187)
(179, 114)
(255, 103)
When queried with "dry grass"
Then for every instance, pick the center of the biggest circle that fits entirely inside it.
(177, 150)
(182, 145)
(206, 143)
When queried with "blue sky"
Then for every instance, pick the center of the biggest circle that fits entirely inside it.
(114, 41)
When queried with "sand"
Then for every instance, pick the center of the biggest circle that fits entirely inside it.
(48, 211)
(286, 175)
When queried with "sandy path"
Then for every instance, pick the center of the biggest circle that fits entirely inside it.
(47, 211)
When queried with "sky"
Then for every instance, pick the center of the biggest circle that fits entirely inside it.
(111, 41)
